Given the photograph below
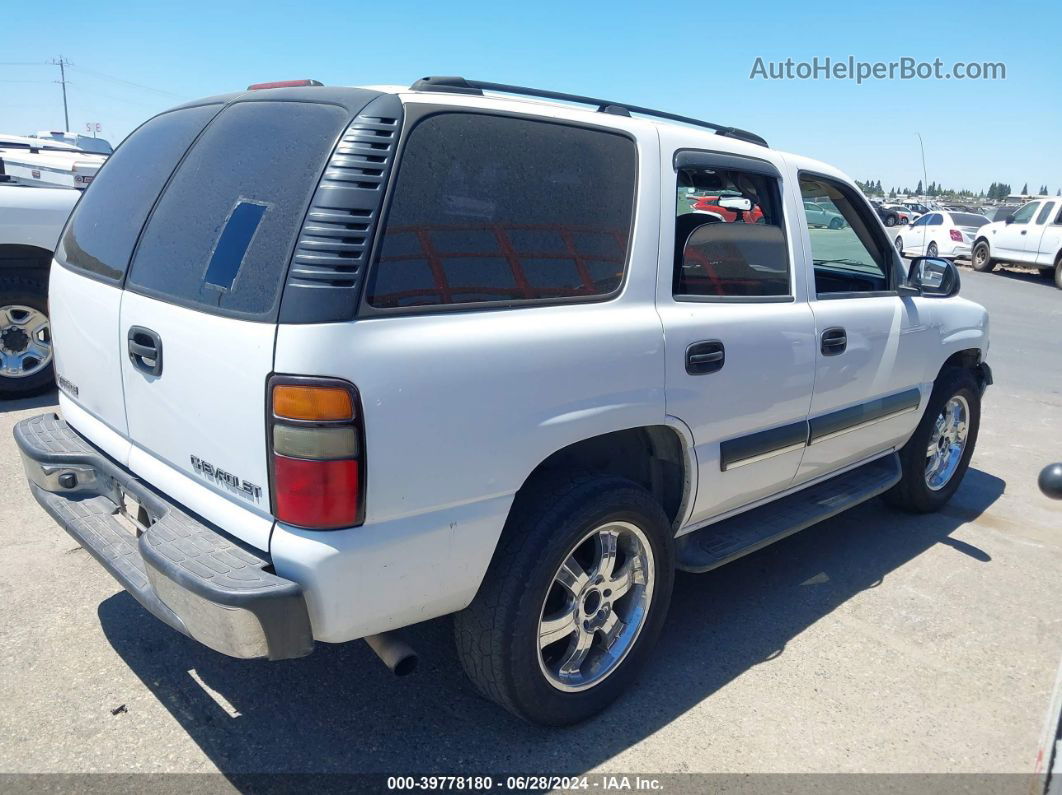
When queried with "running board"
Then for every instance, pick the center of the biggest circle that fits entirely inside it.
(722, 542)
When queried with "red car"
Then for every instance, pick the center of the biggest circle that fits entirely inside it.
(710, 204)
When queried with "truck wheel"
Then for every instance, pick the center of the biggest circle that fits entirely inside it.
(981, 259)
(937, 455)
(25, 336)
(574, 599)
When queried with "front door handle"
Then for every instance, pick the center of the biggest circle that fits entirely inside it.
(834, 341)
(145, 350)
(705, 357)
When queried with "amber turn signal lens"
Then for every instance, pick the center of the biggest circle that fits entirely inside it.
(318, 403)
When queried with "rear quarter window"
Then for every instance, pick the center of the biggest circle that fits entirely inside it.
(494, 209)
(222, 234)
(103, 229)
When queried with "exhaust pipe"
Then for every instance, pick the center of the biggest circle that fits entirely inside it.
(394, 652)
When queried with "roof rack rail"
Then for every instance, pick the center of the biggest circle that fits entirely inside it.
(459, 85)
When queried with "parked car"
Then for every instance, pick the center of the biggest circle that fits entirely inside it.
(940, 234)
(1031, 236)
(905, 215)
(818, 215)
(888, 216)
(525, 390)
(30, 222)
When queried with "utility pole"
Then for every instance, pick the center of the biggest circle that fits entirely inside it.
(925, 174)
(62, 63)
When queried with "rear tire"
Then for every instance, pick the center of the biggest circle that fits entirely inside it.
(21, 291)
(898, 242)
(1058, 272)
(981, 258)
(932, 251)
(500, 636)
(924, 486)
(890, 220)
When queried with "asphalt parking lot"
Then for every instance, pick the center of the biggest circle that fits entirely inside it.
(876, 641)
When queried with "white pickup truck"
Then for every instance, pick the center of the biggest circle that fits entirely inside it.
(451, 349)
(30, 222)
(1032, 236)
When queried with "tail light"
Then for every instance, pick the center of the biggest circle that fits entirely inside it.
(956, 235)
(317, 452)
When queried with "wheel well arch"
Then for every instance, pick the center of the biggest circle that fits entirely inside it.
(982, 239)
(968, 359)
(656, 457)
(19, 255)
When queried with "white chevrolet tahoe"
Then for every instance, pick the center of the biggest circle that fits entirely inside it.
(334, 361)
(1032, 236)
(30, 222)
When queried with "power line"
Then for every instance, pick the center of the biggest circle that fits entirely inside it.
(130, 82)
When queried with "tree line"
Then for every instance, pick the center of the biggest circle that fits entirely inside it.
(997, 191)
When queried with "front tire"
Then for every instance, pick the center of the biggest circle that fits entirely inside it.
(574, 599)
(25, 335)
(890, 220)
(1058, 273)
(981, 258)
(899, 244)
(937, 455)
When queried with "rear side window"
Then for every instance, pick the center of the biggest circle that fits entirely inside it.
(494, 209)
(729, 238)
(102, 232)
(223, 232)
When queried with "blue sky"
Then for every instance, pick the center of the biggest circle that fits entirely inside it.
(692, 58)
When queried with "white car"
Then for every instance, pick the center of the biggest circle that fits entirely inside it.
(30, 222)
(1031, 236)
(439, 350)
(940, 234)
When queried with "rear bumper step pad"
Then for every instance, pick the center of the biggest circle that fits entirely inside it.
(184, 572)
(722, 542)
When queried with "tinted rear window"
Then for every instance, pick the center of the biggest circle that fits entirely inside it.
(491, 208)
(102, 232)
(222, 234)
(968, 219)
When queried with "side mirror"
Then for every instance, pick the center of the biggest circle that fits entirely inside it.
(736, 203)
(934, 277)
(1010, 220)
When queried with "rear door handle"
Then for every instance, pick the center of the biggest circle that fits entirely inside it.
(705, 357)
(834, 341)
(145, 350)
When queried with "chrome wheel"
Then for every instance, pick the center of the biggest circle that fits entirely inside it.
(25, 341)
(595, 606)
(947, 443)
